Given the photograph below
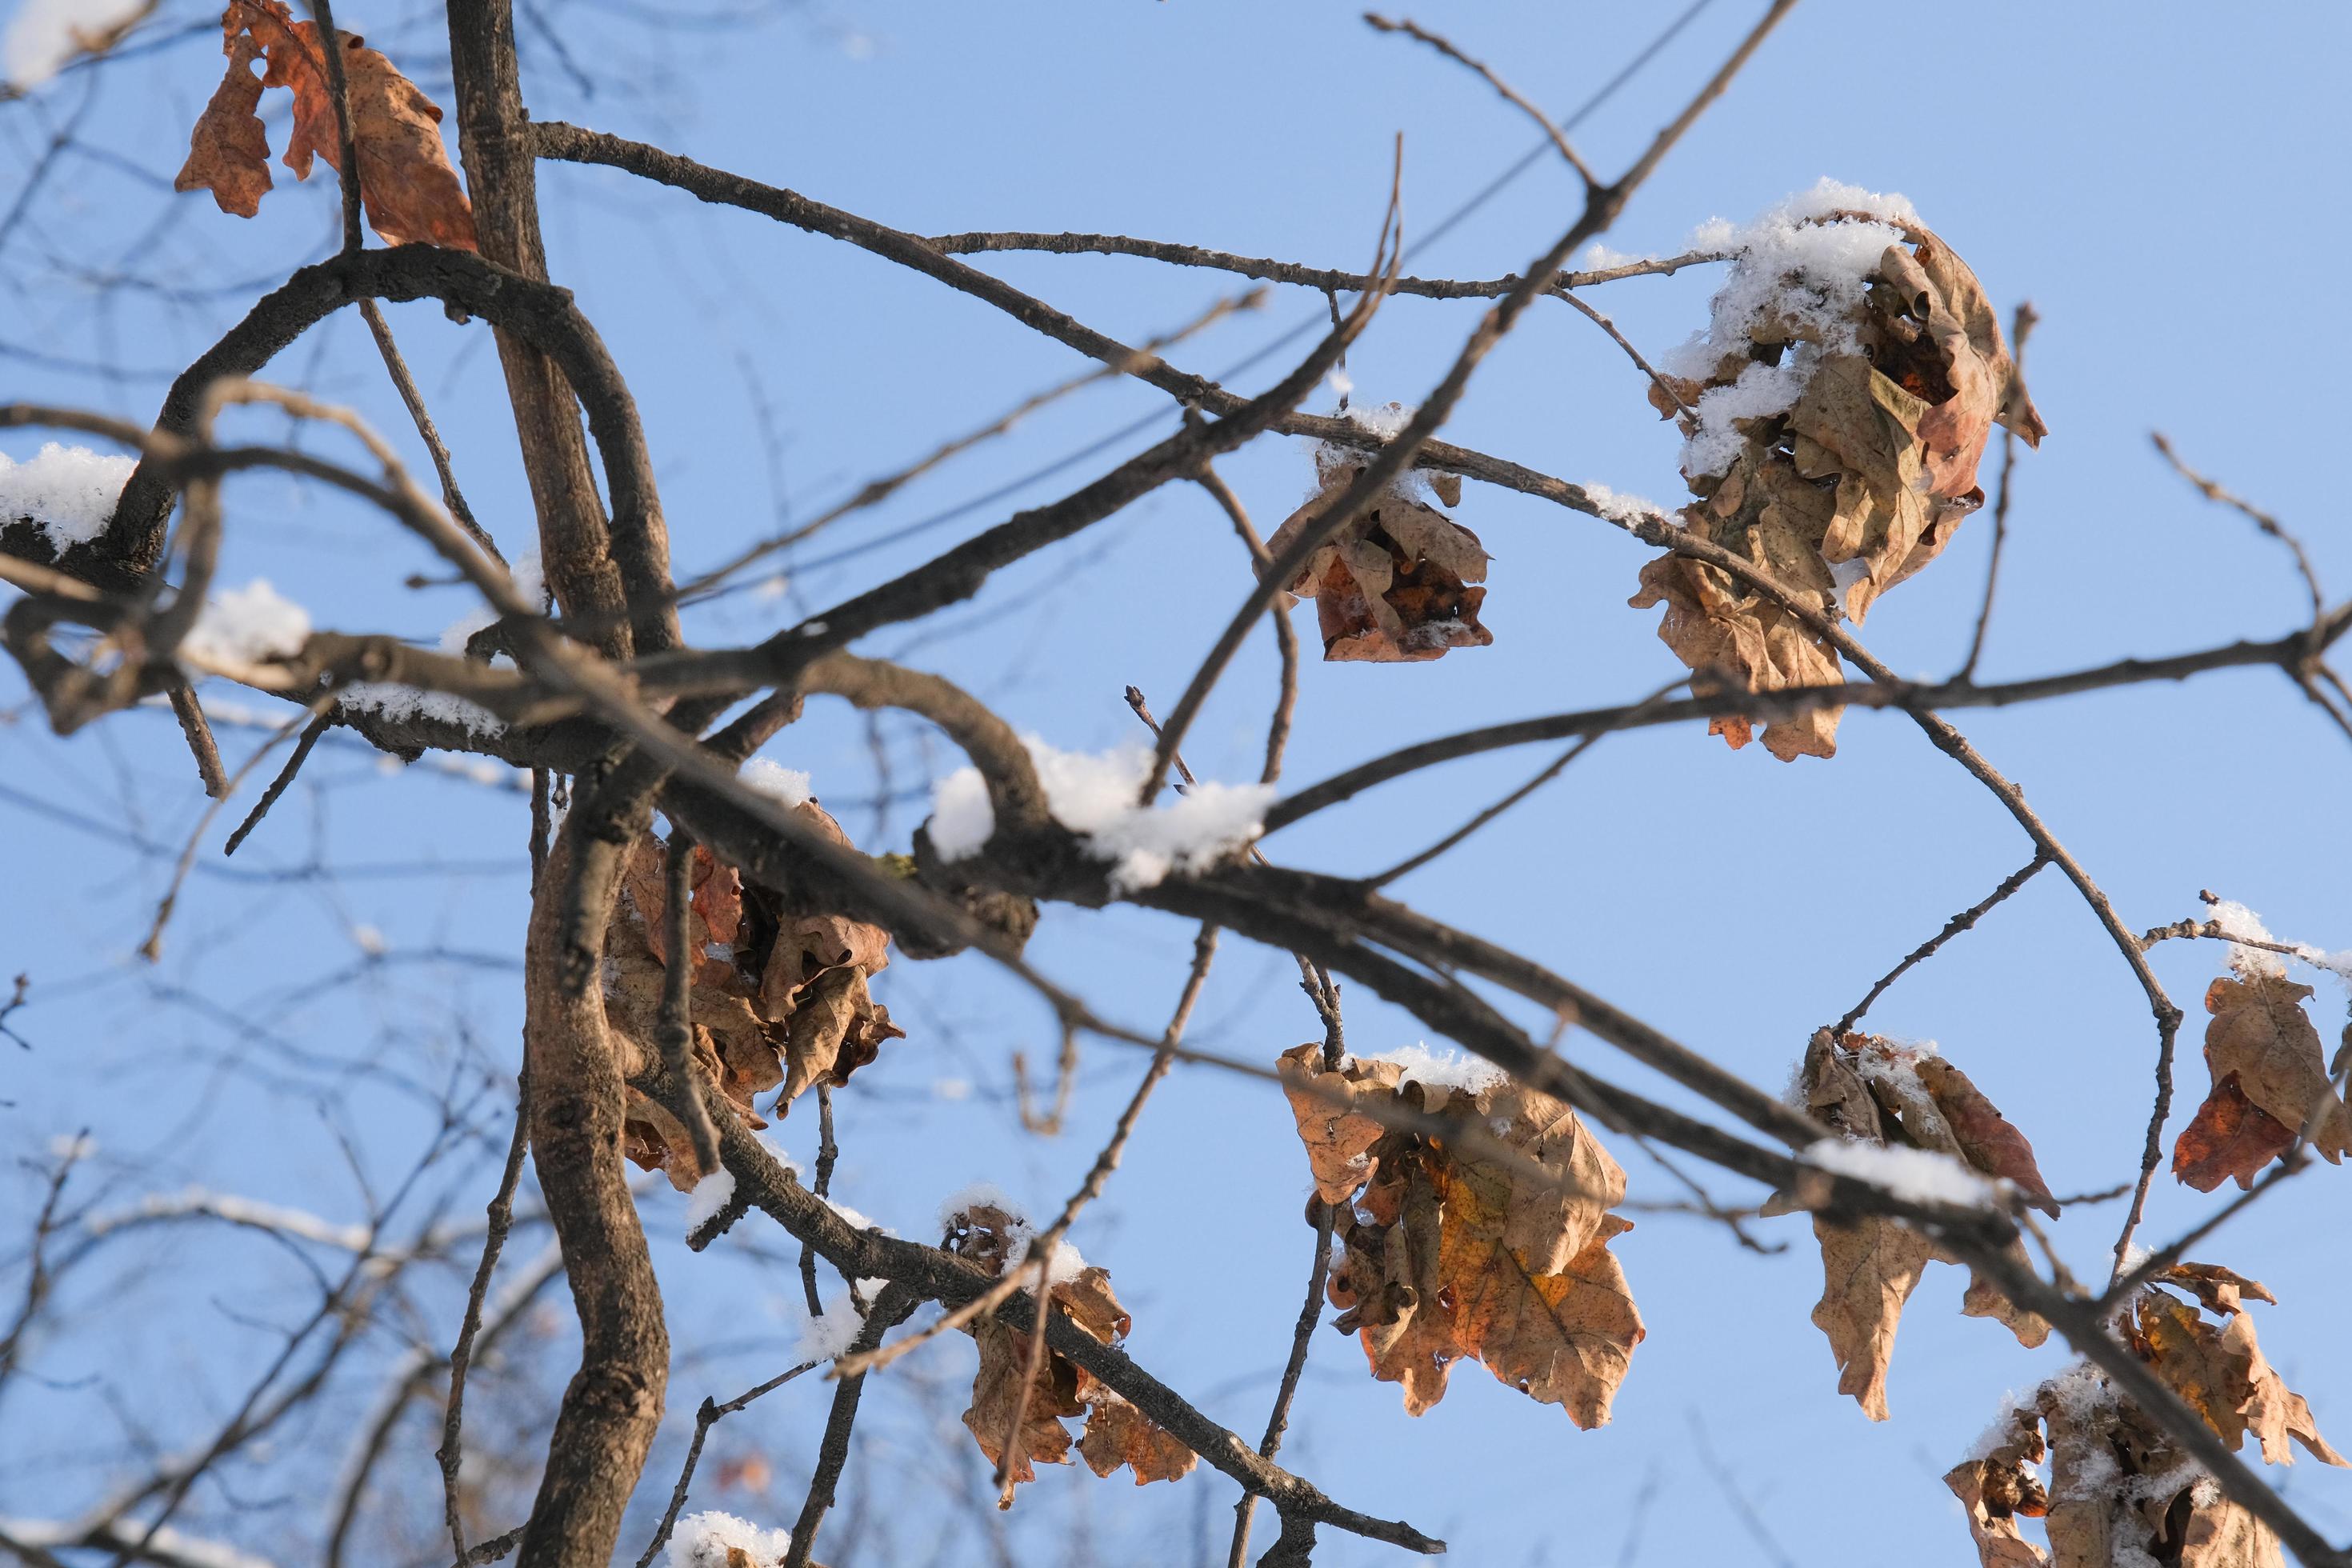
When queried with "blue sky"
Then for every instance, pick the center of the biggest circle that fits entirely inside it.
(2161, 186)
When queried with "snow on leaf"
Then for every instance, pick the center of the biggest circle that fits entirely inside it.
(1841, 400)
(2120, 1490)
(1912, 1122)
(406, 183)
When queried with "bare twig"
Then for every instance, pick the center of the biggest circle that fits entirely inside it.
(1959, 922)
(1510, 95)
(2021, 327)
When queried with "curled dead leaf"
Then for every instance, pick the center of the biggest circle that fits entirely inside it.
(1393, 584)
(1855, 486)
(1116, 1432)
(778, 995)
(1874, 1090)
(408, 186)
(1493, 1248)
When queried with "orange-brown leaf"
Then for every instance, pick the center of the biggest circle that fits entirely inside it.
(2260, 1033)
(408, 186)
(1339, 1138)
(1988, 1140)
(228, 152)
(2228, 1138)
(1119, 1433)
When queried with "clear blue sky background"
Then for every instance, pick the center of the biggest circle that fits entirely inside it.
(2164, 184)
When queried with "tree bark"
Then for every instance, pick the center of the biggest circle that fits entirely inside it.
(501, 178)
(613, 1403)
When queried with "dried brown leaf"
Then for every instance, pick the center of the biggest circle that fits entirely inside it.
(1392, 585)
(2268, 1079)
(229, 151)
(1339, 1138)
(1454, 1250)
(408, 186)
(1859, 485)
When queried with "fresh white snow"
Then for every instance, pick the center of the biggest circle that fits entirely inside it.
(1447, 1069)
(710, 1195)
(397, 702)
(1808, 276)
(1619, 505)
(247, 626)
(790, 786)
(67, 492)
(702, 1539)
(1920, 1175)
(1093, 794)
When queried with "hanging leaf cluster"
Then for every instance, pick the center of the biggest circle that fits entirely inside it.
(1857, 486)
(1115, 1432)
(1491, 1245)
(779, 997)
(1395, 584)
(1874, 1091)
(2119, 1488)
(406, 185)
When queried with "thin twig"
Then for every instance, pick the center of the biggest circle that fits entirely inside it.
(1510, 95)
(199, 733)
(1959, 922)
(279, 785)
(2021, 327)
(500, 1219)
(405, 384)
(892, 1308)
(828, 1153)
(2254, 514)
(1550, 771)
(708, 1416)
(676, 1029)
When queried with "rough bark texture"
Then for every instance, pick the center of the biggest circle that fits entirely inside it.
(614, 1402)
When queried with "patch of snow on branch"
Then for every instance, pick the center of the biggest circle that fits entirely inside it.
(707, 1540)
(68, 491)
(710, 1195)
(1920, 1175)
(1093, 795)
(248, 625)
(1619, 505)
(2243, 925)
(1451, 1069)
(826, 1337)
(790, 786)
(392, 700)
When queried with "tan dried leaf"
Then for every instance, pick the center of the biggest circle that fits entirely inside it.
(1339, 1138)
(2001, 1487)
(1119, 1433)
(2268, 1078)
(1869, 1269)
(1116, 1432)
(1456, 1250)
